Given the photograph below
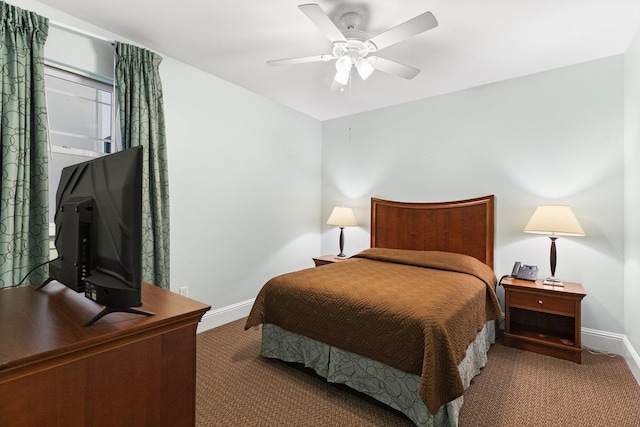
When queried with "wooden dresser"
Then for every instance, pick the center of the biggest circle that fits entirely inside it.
(125, 369)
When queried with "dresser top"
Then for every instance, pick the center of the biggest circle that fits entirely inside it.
(50, 321)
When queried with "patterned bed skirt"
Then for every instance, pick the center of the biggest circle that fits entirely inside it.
(390, 386)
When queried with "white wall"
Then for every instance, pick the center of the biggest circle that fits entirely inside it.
(553, 137)
(632, 195)
(244, 173)
(244, 186)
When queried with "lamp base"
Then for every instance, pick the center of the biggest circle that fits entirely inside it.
(553, 281)
(341, 254)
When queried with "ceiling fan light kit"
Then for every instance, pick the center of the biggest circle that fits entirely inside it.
(353, 53)
(352, 47)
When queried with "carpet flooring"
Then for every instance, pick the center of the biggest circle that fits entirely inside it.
(236, 387)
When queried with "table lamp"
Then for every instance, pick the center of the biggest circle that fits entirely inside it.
(342, 217)
(555, 220)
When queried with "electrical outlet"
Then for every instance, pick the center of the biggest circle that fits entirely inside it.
(184, 291)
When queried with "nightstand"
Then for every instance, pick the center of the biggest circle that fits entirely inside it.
(543, 319)
(327, 259)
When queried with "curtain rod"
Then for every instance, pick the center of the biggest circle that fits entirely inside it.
(76, 30)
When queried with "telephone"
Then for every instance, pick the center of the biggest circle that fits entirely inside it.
(523, 271)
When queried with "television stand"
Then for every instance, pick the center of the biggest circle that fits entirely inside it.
(45, 283)
(109, 310)
(125, 370)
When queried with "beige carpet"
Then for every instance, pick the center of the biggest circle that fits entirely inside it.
(236, 387)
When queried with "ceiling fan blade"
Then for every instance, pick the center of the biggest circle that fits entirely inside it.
(413, 26)
(322, 21)
(395, 68)
(301, 60)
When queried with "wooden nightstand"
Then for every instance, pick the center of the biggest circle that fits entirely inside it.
(327, 259)
(544, 319)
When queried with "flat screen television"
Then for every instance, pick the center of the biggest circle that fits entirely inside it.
(98, 237)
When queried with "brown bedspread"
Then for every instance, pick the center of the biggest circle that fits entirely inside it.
(416, 311)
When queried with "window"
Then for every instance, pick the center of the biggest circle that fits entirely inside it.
(81, 123)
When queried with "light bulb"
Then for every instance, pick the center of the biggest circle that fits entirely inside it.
(365, 67)
(343, 65)
(342, 77)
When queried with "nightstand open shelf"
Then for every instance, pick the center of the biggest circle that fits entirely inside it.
(544, 319)
(543, 335)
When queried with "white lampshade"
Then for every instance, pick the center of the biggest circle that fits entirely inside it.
(557, 220)
(342, 217)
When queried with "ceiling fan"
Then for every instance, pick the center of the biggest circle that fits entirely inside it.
(354, 48)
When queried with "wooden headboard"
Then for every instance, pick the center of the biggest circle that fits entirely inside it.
(463, 226)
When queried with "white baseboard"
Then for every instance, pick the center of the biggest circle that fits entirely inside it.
(603, 341)
(591, 338)
(613, 343)
(632, 358)
(221, 316)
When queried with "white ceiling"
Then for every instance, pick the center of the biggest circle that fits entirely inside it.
(476, 42)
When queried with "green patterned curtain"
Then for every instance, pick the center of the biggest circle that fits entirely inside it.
(24, 225)
(142, 123)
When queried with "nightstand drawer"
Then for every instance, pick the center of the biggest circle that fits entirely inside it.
(544, 303)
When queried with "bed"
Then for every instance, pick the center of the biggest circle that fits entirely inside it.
(408, 321)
